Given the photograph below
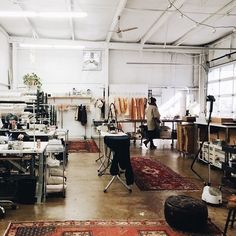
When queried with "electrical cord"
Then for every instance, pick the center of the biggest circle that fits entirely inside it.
(113, 117)
(210, 99)
(200, 23)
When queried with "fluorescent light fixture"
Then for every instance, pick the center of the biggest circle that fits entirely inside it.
(31, 14)
(62, 14)
(50, 46)
(19, 14)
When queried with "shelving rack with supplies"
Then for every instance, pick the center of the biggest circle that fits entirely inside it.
(229, 166)
(44, 112)
(26, 162)
(215, 153)
(185, 138)
(218, 134)
(55, 170)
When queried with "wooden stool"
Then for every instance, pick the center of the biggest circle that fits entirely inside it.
(231, 214)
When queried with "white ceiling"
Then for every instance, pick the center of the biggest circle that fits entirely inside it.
(195, 23)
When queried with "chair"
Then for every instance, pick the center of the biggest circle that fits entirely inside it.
(231, 213)
(120, 162)
(5, 203)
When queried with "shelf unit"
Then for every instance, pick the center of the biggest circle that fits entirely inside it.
(55, 171)
(214, 153)
(216, 133)
(185, 138)
(229, 166)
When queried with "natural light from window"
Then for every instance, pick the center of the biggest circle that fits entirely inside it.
(222, 84)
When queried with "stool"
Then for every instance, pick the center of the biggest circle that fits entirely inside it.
(186, 213)
(231, 214)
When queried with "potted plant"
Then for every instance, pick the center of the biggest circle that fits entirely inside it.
(32, 80)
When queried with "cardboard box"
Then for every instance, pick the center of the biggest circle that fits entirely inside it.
(185, 138)
(221, 120)
(189, 118)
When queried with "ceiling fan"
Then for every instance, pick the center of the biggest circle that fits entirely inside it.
(119, 31)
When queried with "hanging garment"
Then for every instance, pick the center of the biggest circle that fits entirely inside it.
(138, 108)
(81, 114)
(77, 113)
(121, 104)
(142, 109)
(103, 109)
(117, 105)
(98, 109)
(126, 107)
(132, 108)
(135, 109)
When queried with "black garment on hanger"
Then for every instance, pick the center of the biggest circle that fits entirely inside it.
(82, 114)
(103, 109)
(120, 146)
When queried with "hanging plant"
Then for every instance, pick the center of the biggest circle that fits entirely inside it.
(32, 80)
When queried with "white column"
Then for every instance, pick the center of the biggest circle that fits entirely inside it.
(14, 66)
(202, 87)
(106, 81)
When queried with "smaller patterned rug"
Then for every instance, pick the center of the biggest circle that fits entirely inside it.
(88, 145)
(153, 175)
(100, 228)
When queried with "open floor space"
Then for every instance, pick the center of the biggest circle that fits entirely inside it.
(85, 199)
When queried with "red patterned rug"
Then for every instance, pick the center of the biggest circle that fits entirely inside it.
(153, 175)
(83, 146)
(99, 228)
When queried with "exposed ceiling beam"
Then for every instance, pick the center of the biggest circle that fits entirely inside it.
(118, 46)
(87, 44)
(119, 10)
(148, 10)
(70, 6)
(112, 46)
(170, 10)
(33, 30)
(4, 32)
(223, 10)
(223, 38)
(161, 63)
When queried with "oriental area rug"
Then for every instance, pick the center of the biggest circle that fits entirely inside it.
(99, 228)
(88, 145)
(153, 175)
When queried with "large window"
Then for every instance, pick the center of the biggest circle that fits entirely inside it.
(222, 85)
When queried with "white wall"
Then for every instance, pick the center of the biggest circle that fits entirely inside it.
(169, 83)
(156, 75)
(4, 61)
(61, 70)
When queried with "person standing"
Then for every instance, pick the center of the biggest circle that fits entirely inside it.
(153, 122)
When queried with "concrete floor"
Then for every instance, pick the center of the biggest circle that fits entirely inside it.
(85, 199)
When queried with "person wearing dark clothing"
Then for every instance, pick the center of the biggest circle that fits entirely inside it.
(153, 122)
(15, 129)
